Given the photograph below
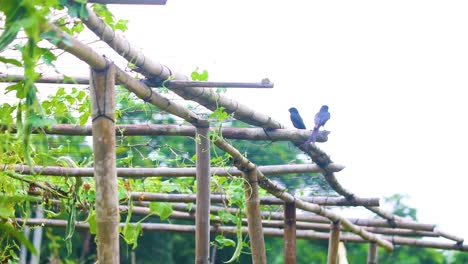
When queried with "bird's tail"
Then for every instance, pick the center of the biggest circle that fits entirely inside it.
(312, 139)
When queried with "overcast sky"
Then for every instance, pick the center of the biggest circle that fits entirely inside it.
(393, 74)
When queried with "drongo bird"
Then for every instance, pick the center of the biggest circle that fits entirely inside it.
(296, 119)
(320, 119)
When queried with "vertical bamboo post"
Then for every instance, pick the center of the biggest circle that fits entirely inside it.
(107, 206)
(289, 233)
(372, 256)
(333, 242)
(202, 218)
(254, 218)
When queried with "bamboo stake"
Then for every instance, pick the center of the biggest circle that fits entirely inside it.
(372, 255)
(254, 218)
(202, 218)
(181, 130)
(302, 234)
(107, 212)
(333, 243)
(182, 172)
(342, 258)
(289, 233)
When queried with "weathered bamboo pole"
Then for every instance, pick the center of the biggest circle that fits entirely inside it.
(174, 84)
(254, 218)
(180, 130)
(289, 233)
(243, 163)
(177, 172)
(268, 200)
(310, 225)
(302, 234)
(11, 78)
(202, 217)
(333, 242)
(105, 175)
(372, 255)
(308, 221)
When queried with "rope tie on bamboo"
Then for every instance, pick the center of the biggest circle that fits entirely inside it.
(392, 222)
(102, 112)
(148, 99)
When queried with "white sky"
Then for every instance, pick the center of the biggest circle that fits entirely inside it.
(392, 72)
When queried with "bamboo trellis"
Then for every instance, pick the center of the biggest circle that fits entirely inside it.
(295, 225)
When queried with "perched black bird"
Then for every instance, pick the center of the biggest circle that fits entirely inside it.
(296, 119)
(320, 119)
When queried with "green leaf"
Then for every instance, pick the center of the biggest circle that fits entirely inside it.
(92, 221)
(200, 76)
(47, 56)
(164, 210)
(11, 61)
(225, 242)
(131, 232)
(8, 230)
(219, 114)
(50, 36)
(121, 25)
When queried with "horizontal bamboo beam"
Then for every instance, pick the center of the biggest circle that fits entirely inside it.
(303, 234)
(299, 135)
(265, 83)
(269, 200)
(170, 172)
(315, 218)
(11, 78)
(276, 219)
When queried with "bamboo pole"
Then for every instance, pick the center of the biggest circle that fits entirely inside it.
(254, 218)
(180, 172)
(202, 218)
(180, 130)
(174, 84)
(11, 78)
(274, 232)
(307, 221)
(289, 233)
(372, 255)
(267, 200)
(107, 206)
(333, 242)
(302, 225)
